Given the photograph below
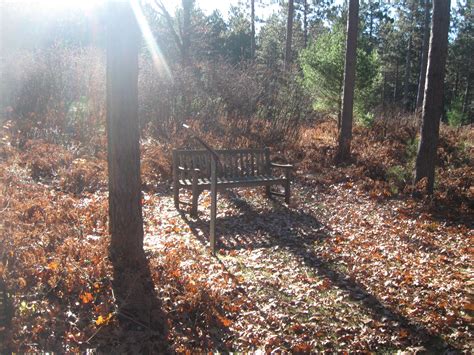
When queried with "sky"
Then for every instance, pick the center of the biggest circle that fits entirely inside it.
(209, 5)
(223, 6)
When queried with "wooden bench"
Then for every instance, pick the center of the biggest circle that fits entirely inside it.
(211, 169)
(192, 170)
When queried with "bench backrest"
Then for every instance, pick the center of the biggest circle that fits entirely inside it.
(233, 162)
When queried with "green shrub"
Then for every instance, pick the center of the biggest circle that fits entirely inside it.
(366, 119)
(322, 64)
(412, 149)
(398, 176)
(455, 115)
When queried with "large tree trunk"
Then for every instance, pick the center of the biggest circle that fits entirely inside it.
(424, 56)
(433, 97)
(125, 211)
(345, 134)
(289, 33)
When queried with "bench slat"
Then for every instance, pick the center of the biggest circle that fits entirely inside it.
(233, 163)
(229, 183)
(218, 151)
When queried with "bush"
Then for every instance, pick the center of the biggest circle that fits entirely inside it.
(47, 87)
(84, 175)
(323, 69)
(58, 95)
(45, 160)
(455, 115)
(398, 177)
(367, 119)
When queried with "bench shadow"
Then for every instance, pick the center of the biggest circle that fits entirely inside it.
(297, 231)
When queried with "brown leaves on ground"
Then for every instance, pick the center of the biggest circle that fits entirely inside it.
(345, 267)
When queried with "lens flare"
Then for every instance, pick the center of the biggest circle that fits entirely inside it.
(156, 54)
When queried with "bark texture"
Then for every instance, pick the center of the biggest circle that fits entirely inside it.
(345, 134)
(433, 98)
(125, 212)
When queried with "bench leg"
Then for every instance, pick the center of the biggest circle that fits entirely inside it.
(268, 192)
(176, 196)
(195, 199)
(194, 207)
(287, 191)
(287, 185)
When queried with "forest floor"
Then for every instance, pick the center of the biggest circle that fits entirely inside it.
(344, 267)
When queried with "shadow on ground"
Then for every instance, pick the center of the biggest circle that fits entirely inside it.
(297, 232)
(142, 324)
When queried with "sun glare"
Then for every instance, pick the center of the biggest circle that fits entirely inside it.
(158, 59)
(67, 4)
(57, 7)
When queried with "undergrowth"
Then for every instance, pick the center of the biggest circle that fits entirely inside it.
(54, 233)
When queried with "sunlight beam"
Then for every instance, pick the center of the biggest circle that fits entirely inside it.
(157, 56)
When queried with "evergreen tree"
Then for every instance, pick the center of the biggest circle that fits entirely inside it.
(424, 54)
(345, 133)
(433, 103)
(125, 211)
(289, 33)
(460, 70)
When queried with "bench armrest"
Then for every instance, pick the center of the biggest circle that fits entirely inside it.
(284, 166)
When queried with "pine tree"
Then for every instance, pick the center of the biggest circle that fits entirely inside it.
(289, 33)
(433, 103)
(345, 134)
(125, 211)
(424, 55)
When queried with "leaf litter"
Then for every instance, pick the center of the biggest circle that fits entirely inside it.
(342, 268)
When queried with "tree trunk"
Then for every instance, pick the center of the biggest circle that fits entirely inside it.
(125, 211)
(252, 19)
(467, 96)
(345, 134)
(305, 23)
(395, 89)
(433, 100)
(406, 88)
(384, 84)
(456, 85)
(371, 26)
(186, 30)
(289, 33)
(424, 56)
